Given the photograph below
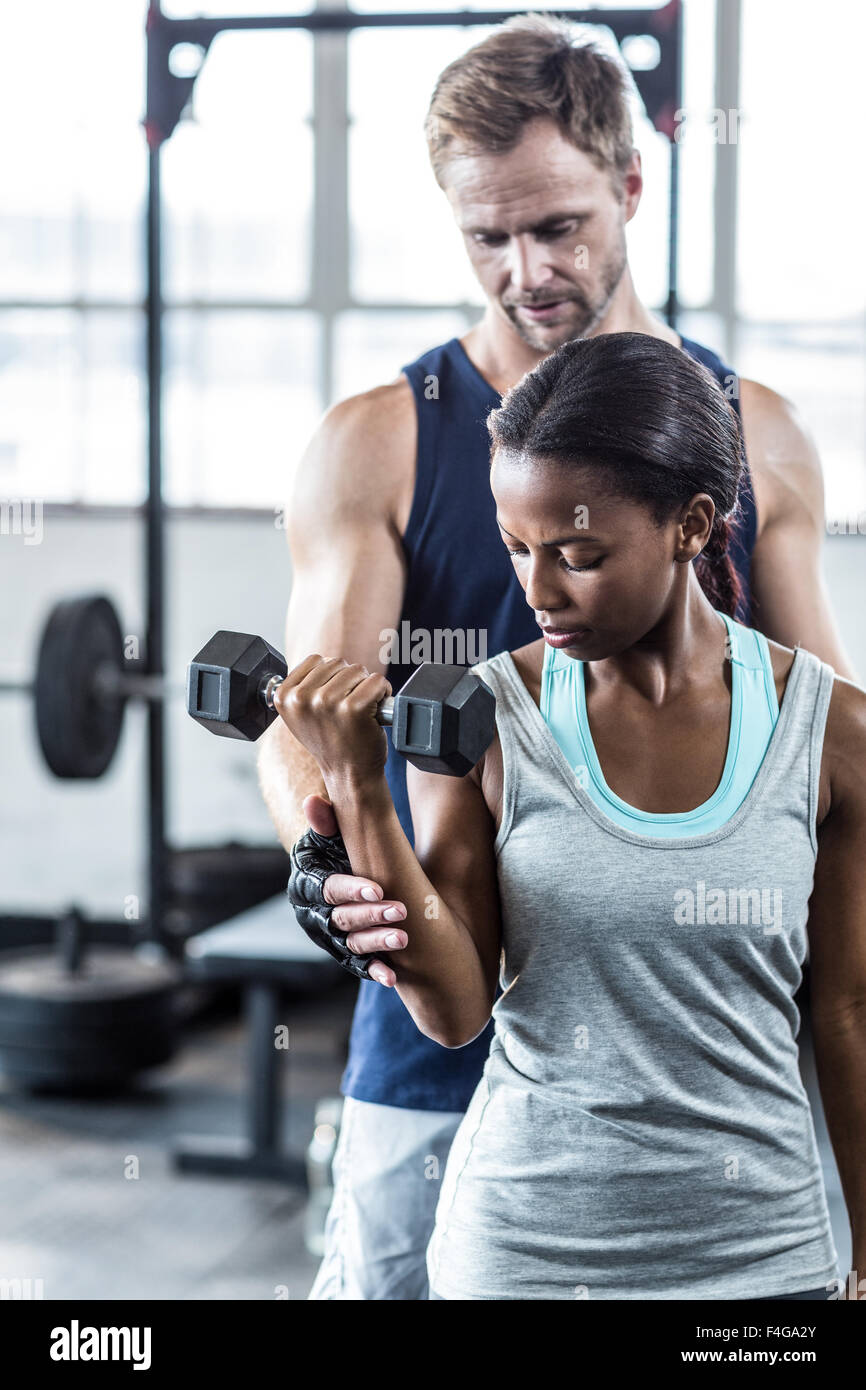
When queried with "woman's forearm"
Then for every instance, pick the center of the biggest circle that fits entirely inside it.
(440, 976)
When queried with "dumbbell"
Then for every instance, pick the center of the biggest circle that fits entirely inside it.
(442, 719)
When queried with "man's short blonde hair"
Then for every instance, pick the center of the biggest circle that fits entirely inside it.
(532, 66)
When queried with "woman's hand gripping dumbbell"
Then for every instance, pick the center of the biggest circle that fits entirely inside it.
(442, 720)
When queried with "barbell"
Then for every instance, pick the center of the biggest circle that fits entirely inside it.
(82, 683)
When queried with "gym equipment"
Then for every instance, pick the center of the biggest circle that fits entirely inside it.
(76, 1020)
(272, 961)
(208, 884)
(442, 720)
(81, 686)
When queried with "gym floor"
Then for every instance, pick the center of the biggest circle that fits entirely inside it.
(72, 1219)
(75, 1221)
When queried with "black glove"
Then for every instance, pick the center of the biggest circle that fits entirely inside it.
(313, 857)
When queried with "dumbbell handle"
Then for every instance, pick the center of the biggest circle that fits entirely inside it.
(384, 710)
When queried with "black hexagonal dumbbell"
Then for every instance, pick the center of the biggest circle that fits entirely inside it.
(442, 720)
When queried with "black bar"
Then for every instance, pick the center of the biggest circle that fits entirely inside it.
(265, 1079)
(259, 1152)
(202, 29)
(672, 311)
(154, 528)
(672, 308)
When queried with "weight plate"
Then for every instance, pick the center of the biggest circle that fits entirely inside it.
(69, 1069)
(113, 986)
(78, 731)
(95, 1027)
(51, 1042)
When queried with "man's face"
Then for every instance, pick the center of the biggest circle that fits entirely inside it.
(544, 227)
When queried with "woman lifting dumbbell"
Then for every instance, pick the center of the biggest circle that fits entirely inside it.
(672, 807)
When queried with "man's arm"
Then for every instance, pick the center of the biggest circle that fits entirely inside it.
(350, 499)
(791, 601)
(348, 565)
(837, 948)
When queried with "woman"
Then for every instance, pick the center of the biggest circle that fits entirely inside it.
(669, 799)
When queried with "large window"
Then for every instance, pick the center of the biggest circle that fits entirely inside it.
(801, 292)
(309, 254)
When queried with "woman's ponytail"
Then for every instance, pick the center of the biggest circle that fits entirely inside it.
(716, 574)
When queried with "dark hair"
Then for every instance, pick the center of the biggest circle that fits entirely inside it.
(649, 417)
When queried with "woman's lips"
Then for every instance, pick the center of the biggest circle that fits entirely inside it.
(557, 638)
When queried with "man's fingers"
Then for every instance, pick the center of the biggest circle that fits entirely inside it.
(360, 916)
(375, 939)
(320, 814)
(346, 888)
(382, 974)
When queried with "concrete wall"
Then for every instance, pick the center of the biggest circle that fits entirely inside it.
(84, 842)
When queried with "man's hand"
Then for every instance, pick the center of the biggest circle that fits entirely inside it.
(359, 909)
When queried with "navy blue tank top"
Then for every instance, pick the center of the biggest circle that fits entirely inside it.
(460, 580)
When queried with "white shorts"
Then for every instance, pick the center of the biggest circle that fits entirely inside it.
(387, 1167)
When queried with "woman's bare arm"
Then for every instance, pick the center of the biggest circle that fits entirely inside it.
(837, 948)
(446, 970)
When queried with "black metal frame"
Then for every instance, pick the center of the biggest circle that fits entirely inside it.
(167, 96)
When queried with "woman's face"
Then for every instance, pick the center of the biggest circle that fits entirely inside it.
(598, 572)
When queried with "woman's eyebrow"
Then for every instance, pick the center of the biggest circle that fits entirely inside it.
(563, 540)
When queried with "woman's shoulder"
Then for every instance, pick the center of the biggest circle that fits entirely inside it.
(526, 661)
(845, 730)
(781, 661)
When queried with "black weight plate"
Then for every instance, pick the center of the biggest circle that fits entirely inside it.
(87, 1061)
(78, 731)
(75, 1068)
(59, 1037)
(113, 986)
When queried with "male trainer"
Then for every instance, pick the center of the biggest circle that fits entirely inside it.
(391, 528)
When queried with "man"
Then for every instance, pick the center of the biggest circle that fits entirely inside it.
(392, 523)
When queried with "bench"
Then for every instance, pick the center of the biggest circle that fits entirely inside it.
(263, 949)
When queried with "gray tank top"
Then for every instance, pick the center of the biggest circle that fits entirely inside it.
(641, 1129)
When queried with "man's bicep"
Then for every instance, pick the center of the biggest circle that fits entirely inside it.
(792, 605)
(348, 563)
(454, 838)
(345, 597)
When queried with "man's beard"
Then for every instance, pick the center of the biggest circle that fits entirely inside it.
(585, 315)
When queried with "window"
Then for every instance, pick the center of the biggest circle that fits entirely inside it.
(283, 295)
(801, 291)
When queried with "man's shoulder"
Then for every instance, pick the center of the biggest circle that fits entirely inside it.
(378, 410)
(781, 451)
(360, 460)
(373, 432)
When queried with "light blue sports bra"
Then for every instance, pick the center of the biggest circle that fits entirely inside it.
(754, 711)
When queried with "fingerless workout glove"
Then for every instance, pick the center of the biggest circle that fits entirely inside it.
(313, 857)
